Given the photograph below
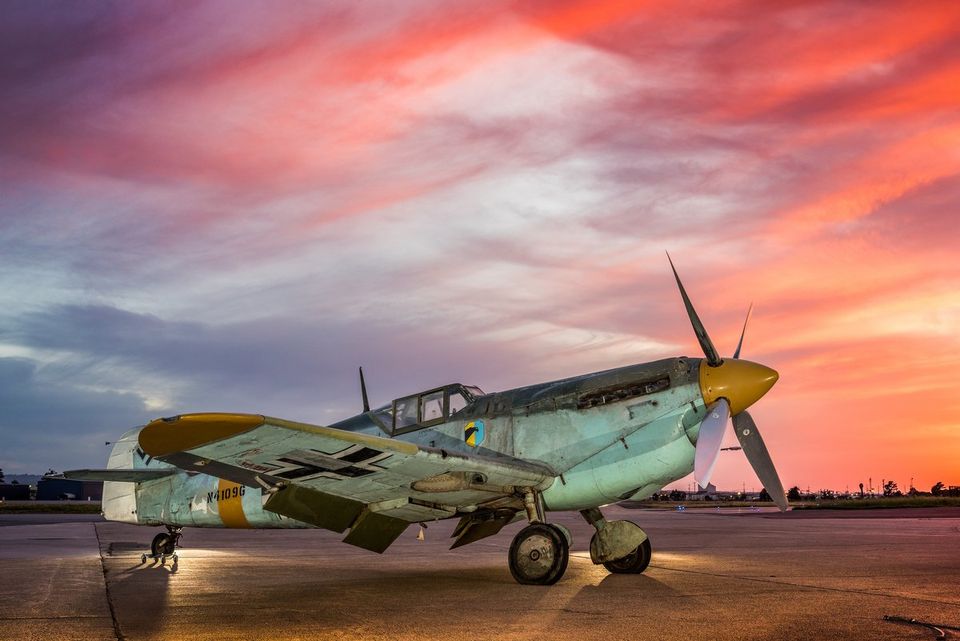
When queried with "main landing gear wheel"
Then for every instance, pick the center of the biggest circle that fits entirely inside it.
(634, 563)
(539, 554)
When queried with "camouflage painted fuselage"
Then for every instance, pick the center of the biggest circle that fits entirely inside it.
(608, 436)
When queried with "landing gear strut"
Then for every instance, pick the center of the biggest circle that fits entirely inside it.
(539, 552)
(164, 545)
(621, 546)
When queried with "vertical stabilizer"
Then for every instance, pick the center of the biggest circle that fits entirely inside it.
(119, 501)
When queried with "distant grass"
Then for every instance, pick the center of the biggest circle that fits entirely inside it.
(825, 504)
(879, 504)
(65, 507)
(692, 505)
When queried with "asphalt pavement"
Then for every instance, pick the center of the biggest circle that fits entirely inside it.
(714, 576)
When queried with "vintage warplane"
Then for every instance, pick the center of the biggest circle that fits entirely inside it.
(488, 459)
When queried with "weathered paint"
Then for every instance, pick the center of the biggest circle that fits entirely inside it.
(605, 453)
(199, 500)
(663, 453)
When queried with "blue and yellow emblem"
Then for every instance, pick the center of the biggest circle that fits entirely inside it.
(473, 433)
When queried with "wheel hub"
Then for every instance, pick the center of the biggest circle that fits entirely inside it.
(539, 554)
(536, 556)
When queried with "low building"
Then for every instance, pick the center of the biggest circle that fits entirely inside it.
(708, 493)
(14, 492)
(54, 489)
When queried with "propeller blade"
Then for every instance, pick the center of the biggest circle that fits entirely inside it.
(759, 457)
(709, 441)
(713, 358)
(746, 320)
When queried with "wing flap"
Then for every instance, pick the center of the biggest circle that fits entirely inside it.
(375, 531)
(316, 508)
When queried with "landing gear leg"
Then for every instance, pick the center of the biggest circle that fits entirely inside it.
(539, 552)
(164, 545)
(621, 546)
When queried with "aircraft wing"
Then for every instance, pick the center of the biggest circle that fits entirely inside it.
(336, 479)
(123, 475)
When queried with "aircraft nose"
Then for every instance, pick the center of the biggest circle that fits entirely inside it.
(741, 382)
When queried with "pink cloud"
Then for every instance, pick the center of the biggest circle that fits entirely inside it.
(798, 156)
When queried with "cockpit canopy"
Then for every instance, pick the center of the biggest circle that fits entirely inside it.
(426, 408)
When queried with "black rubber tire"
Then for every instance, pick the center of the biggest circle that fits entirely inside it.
(634, 563)
(539, 554)
(163, 543)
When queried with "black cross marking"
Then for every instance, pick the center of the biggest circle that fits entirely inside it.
(353, 462)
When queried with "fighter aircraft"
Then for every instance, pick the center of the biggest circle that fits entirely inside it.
(454, 451)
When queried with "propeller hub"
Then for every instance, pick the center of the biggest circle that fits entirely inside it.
(741, 382)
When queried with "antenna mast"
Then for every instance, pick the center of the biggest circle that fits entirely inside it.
(363, 390)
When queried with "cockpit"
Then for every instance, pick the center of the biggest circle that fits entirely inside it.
(425, 409)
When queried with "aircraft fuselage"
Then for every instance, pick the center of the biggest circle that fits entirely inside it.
(609, 436)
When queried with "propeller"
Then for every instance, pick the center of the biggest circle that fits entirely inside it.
(713, 358)
(729, 388)
(756, 452)
(710, 440)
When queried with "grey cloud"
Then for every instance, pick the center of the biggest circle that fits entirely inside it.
(271, 365)
(302, 370)
(47, 423)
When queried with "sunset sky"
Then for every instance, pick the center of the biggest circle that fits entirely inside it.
(230, 207)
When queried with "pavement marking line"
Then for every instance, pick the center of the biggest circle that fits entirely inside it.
(809, 587)
(106, 587)
(939, 629)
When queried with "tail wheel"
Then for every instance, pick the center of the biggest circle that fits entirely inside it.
(163, 543)
(634, 563)
(539, 554)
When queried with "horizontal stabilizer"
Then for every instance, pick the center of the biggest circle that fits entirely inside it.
(128, 475)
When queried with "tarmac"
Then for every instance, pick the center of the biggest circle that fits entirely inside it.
(714, 576)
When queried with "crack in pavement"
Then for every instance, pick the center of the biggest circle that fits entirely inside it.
(106, 586)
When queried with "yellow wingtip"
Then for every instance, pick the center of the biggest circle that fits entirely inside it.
(188, 431)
